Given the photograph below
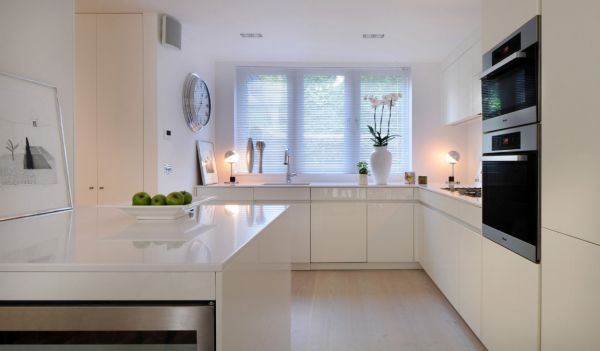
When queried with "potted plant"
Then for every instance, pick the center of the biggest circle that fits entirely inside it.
(363, 173)
(381, 158)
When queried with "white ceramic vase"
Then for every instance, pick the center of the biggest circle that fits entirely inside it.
(381, 164)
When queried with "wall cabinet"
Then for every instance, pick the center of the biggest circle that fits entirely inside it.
(461, 85)
(109, 112)
(510, 300)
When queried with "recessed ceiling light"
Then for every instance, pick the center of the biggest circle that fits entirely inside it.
(373, 36)
(251, 35)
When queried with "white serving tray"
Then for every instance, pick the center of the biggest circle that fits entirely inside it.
(161, 212)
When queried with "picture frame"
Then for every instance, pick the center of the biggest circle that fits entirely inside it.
(208, 164)
(34, 173)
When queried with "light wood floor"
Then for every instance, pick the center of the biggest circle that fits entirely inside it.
(374, 310)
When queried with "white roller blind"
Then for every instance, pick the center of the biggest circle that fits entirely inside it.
(319, 114)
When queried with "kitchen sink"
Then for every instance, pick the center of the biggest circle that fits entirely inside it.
(286, 184)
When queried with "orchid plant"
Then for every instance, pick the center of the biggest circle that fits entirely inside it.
(376, 130)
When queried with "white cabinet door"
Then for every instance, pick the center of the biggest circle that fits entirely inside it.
(469, 277)
(510, 301)
(390, 232)
(297, 224)
(570, 293)
(338, 231)
(451, 95)
(475, 69)
(570, 118)
(120, 87)
(501, 18)
(440, 252)
(86, 168)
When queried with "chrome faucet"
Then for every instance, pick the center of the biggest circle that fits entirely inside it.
(287, 160)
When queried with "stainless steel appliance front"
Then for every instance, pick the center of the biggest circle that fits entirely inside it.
(510, 80)
(511, 187)
(107, 326)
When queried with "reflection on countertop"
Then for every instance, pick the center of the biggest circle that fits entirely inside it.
(106, 239)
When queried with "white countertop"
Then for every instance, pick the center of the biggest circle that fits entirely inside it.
(435, 187)
(106, 239)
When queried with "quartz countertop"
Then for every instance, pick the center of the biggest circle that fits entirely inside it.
(106, 239)
(434, 187)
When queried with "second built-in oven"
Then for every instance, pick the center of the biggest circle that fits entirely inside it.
(510, 189)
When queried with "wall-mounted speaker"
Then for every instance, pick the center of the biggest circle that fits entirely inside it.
(171, 32)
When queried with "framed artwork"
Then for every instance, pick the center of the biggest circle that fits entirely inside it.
(34, 176)
(208, 164)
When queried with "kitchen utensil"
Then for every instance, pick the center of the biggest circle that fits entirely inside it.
(260, 145)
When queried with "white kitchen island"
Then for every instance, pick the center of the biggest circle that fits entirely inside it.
(237, 255)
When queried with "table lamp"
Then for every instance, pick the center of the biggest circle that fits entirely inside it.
(231, 157)
(452, 158)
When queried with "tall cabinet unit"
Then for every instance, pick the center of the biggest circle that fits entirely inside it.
(570, 124)
(109, 121)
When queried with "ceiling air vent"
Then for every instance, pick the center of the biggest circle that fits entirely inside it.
(373, 36)
(251, 35)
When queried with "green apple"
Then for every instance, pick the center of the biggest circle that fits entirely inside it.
(141, 199)
(187, 197)
(175, 198)
(159, 200)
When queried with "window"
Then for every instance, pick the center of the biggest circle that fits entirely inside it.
(320, 116)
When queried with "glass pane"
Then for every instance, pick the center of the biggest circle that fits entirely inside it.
(325, 125)
(379, 84)
(262, 114)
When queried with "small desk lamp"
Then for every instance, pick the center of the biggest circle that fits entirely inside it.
(231, 157)
(452, 158)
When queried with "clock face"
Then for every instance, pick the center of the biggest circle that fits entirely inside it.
(196, 102)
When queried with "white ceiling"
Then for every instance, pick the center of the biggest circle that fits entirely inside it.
(315, 30)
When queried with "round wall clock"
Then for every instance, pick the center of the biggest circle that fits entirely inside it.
(196, 102)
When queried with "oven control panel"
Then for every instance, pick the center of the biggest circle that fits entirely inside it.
(510, 141)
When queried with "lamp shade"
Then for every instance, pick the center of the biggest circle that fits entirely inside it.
(231, 156)
(452, 157)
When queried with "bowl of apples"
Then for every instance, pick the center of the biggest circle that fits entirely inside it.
(174, 205)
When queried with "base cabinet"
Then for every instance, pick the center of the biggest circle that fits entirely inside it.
(510, 308)
(338, 231)
(390, 232)
(570, 292)
(469, 277)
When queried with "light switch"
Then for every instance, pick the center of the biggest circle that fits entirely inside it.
(168, 169)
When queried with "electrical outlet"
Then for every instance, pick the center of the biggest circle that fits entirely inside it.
(168, 169)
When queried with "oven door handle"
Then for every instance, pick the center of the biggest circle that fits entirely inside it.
(505, 158)
(515, 56)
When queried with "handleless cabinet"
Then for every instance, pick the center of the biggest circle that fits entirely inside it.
(338, 227)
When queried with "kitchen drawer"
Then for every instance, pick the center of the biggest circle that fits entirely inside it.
(440, 202)
(469, 214)
(282, 193)
(226, 193)
(390, 194)
(338, 194)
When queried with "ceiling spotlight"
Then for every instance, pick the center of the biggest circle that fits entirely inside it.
(373, 36)
(251, 35)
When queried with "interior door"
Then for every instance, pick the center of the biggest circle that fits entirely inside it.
(86, 170)
(120, 106)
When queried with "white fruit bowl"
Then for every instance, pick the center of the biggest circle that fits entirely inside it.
(161, 212)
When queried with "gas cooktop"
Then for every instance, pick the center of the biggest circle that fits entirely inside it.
(472, 192)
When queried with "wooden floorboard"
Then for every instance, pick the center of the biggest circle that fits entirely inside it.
(393, 310)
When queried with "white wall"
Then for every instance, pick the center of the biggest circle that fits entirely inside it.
(431, 137)
(37, 41)
(179, 150)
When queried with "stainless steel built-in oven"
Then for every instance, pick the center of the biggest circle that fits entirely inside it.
(36, 326)
(510, 189)
(510, 80)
